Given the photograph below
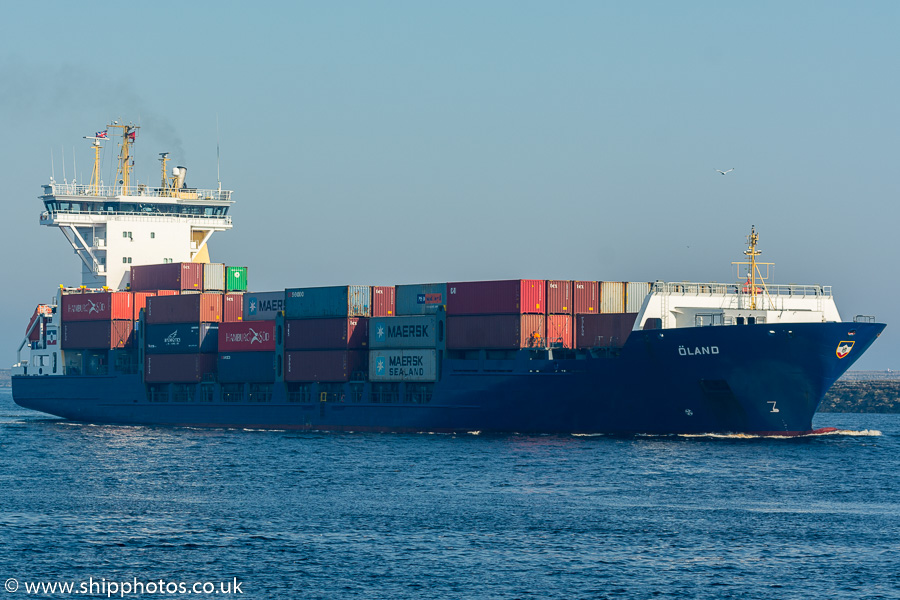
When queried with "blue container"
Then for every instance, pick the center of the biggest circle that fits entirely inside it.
(324, 302)
(420, 298)
(247, 367)
(181, 338)
(263, 306)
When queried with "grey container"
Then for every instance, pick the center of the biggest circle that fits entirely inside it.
(612, 297)
(420, 298)
(403, 365)
(635, 292)
(262, 306)
(421, 331)
(324, 302)
(214, 277)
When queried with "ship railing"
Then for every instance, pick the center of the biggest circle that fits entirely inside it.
(740, 289)
(85, 215)
(113, 191)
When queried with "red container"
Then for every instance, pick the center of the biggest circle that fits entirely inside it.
(603, 330)
(510, 297)
(233, 308)
(247, 336)
(383, 301)
(96, 335)
(97, 306)
(326, 334)
(185, 308)
(325, 365)
(559, 297)
(140, 302)
(500, 332)
(169, 276)
(586, 297)
(179, 368)
(559, 331)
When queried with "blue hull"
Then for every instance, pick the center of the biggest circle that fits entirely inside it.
(738, 379)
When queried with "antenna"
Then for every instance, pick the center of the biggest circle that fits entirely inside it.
(74, 167)
(52, 170)
(62, 149)
(218, 178)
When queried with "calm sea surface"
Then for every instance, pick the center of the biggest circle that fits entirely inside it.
(437, 516)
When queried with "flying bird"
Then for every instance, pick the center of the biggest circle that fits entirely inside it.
(723, 172)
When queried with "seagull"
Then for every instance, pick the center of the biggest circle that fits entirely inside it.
(723, 172)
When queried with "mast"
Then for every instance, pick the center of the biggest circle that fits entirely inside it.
(94, 186)
(755, 276)
(126, 163)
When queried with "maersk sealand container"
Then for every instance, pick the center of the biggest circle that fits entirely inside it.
(420, 298)
(324, 302)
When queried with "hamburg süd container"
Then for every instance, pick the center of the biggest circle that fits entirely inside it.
(185, 308)
(510, 297)
(325, 365)
(247, 336)
(418, 364)
(263, 306)
(559, 297)
(236, 279)
(181, 338)
(559, 331)
(498, 332)
(383, 302)
(323, 302)
(420, 331)
(213, 277)
(586, 297)
(167, 276)
(249, 367)
(612, 297)
(635, 292)
(420, 298)
(326, 334)
(233, 307)
(603, 330)
(179, 368)
(97, 306)
(96, 335)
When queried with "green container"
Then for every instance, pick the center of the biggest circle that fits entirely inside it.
(236, 279)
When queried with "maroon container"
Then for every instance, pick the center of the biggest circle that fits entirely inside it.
(603, 330)
(586, 297)
(96, 335)
(325, 365)
(232, 308)
(510, 297)
(247, 336)
(559, 331)
(179, 368)
(169, 276)
(559, 297)
(185, 308)
(501, 332)
(326, 334)
(97, 306)
(383, 301)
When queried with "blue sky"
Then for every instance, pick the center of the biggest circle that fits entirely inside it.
(401, 142)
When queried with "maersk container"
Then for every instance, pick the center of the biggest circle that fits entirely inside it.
(635, 292)
(559, 297)
(181, 338)
(214, 277)
(559, 331)
(97, 306)
(403, 365)
(179, 368)
(233, 307)
(612, 297)
(510, 297)
(167, 276)
(96, 335)
(423, 331)
(326, 334)
(420, 298)
(236, 279)
(252, 336)
(383, 301)
(603, 330)
(263, 306)
(498, 332)
(325, 365)
(185, 308)
(586, 297)
(246, 367)
(323, 302)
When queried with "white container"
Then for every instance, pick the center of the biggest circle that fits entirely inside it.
(612, 297)
(635, 292)
(214, 277)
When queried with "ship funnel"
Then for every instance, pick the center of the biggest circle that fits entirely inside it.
(180, 173)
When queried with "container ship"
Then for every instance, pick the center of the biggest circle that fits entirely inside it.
(158, 334)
